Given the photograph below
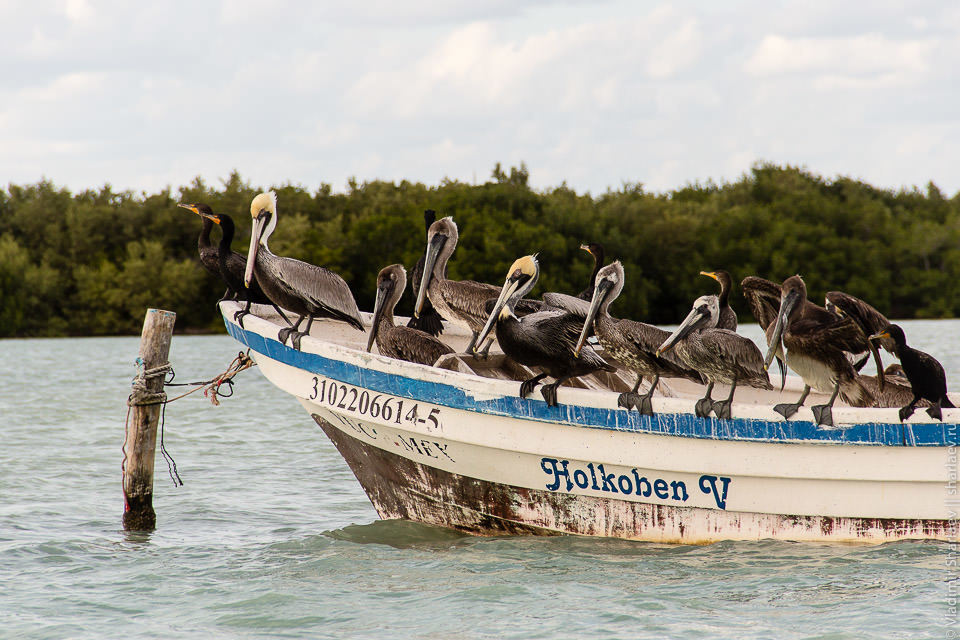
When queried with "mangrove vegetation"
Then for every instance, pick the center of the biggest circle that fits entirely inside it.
(90, 263)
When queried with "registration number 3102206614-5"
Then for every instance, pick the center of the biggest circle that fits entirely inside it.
(375, 405)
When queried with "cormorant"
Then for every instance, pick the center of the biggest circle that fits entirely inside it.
(926, 375)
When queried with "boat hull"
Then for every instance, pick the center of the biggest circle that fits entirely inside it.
(464, 452)
(401, 488)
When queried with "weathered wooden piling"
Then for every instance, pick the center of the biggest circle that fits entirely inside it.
(145, 403)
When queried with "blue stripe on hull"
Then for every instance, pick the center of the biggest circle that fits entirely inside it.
(673, 424)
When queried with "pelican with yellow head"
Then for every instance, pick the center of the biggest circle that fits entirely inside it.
(307, 290)
(546, 339)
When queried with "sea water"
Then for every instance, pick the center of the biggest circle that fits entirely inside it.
(270, 536)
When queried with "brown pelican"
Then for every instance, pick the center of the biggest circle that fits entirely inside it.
(728, 317)
(461, 302)
(634, 344)
(926, 375)
(230, 264)
(763, 298)
(596, 250)
(720, 355)
(307, 290)
(869, 320)
(545, 339)
(403, 343)
(429, 320)
(815, 343)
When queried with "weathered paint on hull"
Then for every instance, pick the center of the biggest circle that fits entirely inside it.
(464, 451)
(404, 489)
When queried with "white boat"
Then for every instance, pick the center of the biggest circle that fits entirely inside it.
(448, 446)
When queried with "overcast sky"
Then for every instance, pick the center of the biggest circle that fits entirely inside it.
(144, 95)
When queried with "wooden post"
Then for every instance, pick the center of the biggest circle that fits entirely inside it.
(145, 402)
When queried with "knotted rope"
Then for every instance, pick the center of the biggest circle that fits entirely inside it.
(141, 396)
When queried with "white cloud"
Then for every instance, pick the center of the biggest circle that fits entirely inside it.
(868, 54)
(594, 94)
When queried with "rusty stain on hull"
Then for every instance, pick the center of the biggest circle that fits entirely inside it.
(401, 488)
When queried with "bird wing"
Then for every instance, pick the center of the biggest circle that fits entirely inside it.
(414, 345)
(647, 338)
(843, 333)
(570, 304)
(737, 352)
(318, 286)
(763, 298)
(556, 333)
(870, 320)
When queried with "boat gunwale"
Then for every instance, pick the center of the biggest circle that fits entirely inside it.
(472, 392)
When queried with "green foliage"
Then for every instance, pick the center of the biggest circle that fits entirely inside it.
(92, 262)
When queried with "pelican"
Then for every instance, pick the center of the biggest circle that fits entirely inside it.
(928, 381)
(230, 264)
(720, 355)
(596, 250)
(632, 343)
(728, 317)
(402, 343)
(546, 339)
(461, 302)
(815, 343)
(429, 320)
(763, 298)
(307, 290)
(870, 321)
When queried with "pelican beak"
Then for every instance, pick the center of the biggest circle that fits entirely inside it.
(689, 324)
(510, 286)
(382, 292)
(433, 250)
(787, 303)
(255, 232)
(871, 341)
(600, 292)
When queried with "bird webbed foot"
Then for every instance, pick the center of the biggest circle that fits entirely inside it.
(238, 317)
(703, 407)
(295, 341)
(935, 412)
(823, 414)
(549, 393)
(906, 412)
(632, 400)
(527, 386)
(722, 409)
(645, 405)
(787, 410)
(284, 333)
(628, 400)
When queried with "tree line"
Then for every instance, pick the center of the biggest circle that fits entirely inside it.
(90, 263)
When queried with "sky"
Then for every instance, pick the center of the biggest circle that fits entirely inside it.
(594, 94)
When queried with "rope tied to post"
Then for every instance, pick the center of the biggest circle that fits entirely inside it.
(141, 396)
